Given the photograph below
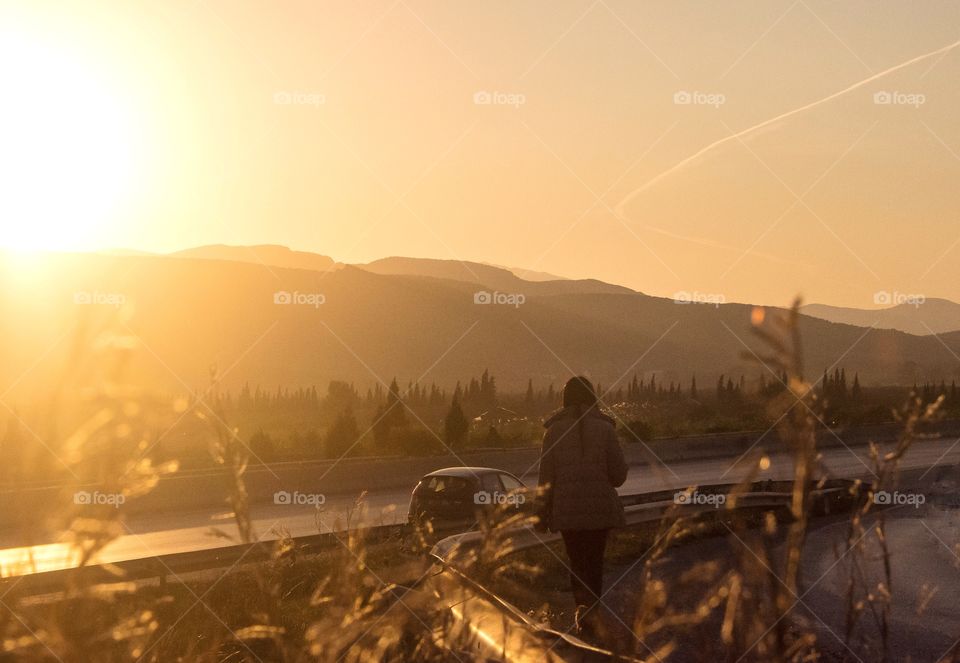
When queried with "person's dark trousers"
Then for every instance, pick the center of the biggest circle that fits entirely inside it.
(585, 548)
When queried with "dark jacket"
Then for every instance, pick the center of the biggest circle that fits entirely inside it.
(581, 472)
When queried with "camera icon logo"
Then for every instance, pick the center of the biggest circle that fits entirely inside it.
(282, 297)
(282, 497)
(482, 98)
(682, 98)
(82, 497)
(882, 97)
(882, 497)
(82, 297)
(281, 97)
(682, 497)
(482, 497)
(882, 297)
(482, 297)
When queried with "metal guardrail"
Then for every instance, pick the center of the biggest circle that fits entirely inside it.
(508, 634)
(176, 564)
(639, 507)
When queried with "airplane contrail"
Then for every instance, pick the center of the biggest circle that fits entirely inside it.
(717, 143)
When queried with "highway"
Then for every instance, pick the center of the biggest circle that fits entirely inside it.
(166, 533)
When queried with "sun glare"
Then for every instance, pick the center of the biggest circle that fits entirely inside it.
(66, 149)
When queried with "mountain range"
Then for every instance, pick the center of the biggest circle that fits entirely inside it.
(482, 274)
(918, 316)
(278, 317)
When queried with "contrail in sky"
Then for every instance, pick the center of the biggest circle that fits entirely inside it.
(782, 116)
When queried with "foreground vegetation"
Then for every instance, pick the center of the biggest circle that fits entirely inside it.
(342, 604)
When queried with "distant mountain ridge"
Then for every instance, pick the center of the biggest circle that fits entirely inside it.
(489, 276)
(530, 274)
(271, 255)
(506, 279)
(923, 317)
(932, 316)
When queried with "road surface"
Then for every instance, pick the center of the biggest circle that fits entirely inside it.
(161, 534)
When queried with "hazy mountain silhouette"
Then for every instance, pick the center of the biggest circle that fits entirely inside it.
(488, 276)
(272, 255)
(530, 274)
(933, 316)
(493, 276)
(190, 314)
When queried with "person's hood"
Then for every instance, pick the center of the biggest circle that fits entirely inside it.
(573, 413)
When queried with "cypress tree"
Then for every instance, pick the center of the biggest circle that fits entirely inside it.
(455, 425)
(343, 434)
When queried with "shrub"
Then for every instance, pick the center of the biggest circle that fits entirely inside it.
(412, 441)
(638, 430)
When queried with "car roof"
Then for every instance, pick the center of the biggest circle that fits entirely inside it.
(464, 471)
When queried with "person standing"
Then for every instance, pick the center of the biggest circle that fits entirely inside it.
(581, 466)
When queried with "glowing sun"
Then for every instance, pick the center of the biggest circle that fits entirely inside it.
(66, 148)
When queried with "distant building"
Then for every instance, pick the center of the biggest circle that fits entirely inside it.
(496, 416)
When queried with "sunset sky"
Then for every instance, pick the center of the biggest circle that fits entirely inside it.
(353, 129)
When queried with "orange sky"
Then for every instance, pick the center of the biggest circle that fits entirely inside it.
(353, 129)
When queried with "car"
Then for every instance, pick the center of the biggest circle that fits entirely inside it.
(456, 496)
